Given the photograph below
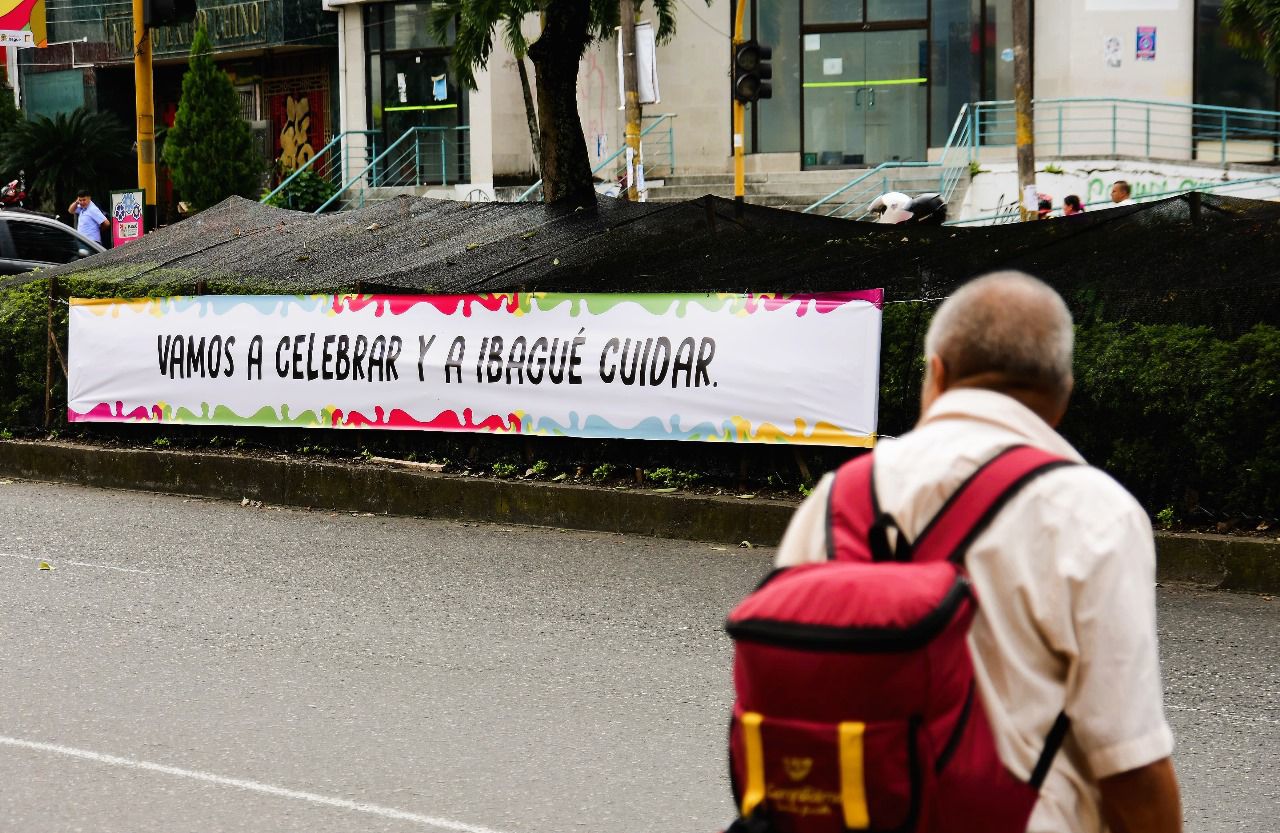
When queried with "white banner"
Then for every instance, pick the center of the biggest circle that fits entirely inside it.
(739, 368)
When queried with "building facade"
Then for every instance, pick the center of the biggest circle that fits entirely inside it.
(280, 54)
(855, 82)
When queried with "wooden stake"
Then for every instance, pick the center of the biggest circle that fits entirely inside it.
(48, 356)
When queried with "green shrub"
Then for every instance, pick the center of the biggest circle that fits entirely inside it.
(672, 478)
(1184, 417)
(504, 470)
(307, 191)
(210, 149)
(1181, 417)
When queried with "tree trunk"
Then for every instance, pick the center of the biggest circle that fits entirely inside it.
(530, 114)
(566, 171)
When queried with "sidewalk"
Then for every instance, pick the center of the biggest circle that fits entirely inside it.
(1221, 561)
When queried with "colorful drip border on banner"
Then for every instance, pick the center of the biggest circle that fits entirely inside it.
(732, 429)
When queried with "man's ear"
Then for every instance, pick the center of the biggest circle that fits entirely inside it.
(935, 382)
(1061, 410)
(937, 374)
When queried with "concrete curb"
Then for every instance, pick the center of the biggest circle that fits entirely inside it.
(1217, 560)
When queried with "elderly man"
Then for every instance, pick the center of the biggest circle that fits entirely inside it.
(1064, 574)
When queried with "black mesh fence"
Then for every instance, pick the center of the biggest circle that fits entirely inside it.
(1199, 259)
(1185, 281)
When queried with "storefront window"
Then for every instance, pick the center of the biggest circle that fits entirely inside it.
(955, 73)
(1222, 75)
(777, 119)
(858, 82)
(886, 10)
(411, 85)
(830, 11)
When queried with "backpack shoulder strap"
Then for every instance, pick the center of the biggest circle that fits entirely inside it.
(851, 508)
(857, 529)
(973, 506)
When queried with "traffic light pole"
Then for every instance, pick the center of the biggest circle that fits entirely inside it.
(144, 104)
(739, 122)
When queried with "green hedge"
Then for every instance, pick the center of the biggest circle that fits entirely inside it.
(1187, 419)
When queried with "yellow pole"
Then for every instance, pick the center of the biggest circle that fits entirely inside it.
(145, 106)
(627, 13)
(739, 118)
(1024, 121)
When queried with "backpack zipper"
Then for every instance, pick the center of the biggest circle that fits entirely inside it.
(853, 639)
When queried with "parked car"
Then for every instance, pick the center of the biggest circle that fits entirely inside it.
(29, 240)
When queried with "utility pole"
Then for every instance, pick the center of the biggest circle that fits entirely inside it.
(739, 122)
(144, 104)
(627, 11)
(1024, 121)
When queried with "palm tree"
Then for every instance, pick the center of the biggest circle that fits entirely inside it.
(1253, 28)
(568, 28)
(70, 151)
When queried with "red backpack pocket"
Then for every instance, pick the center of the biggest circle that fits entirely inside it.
(848, 742)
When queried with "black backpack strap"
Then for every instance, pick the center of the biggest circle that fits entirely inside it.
(857, 528)
(1052, 743)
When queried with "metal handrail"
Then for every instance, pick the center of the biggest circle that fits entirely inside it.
(1143, 127)
(981, 122)
(961, 122)
(659, 119)
(381, 157)
(321, 154)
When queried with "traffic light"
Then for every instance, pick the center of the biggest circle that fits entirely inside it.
(751, 72)
(168, 12)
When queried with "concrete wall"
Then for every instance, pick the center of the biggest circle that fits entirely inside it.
(693, 68)
(1070, 58)
(994, 191)
(693, 80)
(512, 149)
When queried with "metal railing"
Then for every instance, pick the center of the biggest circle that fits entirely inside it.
(853, 198)
(1066, 127)
(422, 156)
(661, 151)
(347, 151)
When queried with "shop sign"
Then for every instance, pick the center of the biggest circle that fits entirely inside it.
(230, 26)
(126, 216)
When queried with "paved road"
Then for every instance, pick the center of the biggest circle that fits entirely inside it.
(202, 666)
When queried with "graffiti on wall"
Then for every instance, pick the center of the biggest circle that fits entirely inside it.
(1099, 189)
(592, 95)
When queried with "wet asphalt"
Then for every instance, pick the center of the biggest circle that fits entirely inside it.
(192, 665)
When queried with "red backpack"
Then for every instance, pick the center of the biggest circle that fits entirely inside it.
(856, 704)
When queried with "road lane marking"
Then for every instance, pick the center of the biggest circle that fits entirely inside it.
(78, 564)
(252, 786)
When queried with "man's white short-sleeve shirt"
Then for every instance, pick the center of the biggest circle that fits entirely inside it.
(1065, 579)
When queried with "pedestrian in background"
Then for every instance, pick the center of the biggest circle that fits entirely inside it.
(1120, 192)
(1044, 207)
(89, 218)
(1071, 205)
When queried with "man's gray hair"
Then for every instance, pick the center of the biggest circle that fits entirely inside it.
(1007, 323)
